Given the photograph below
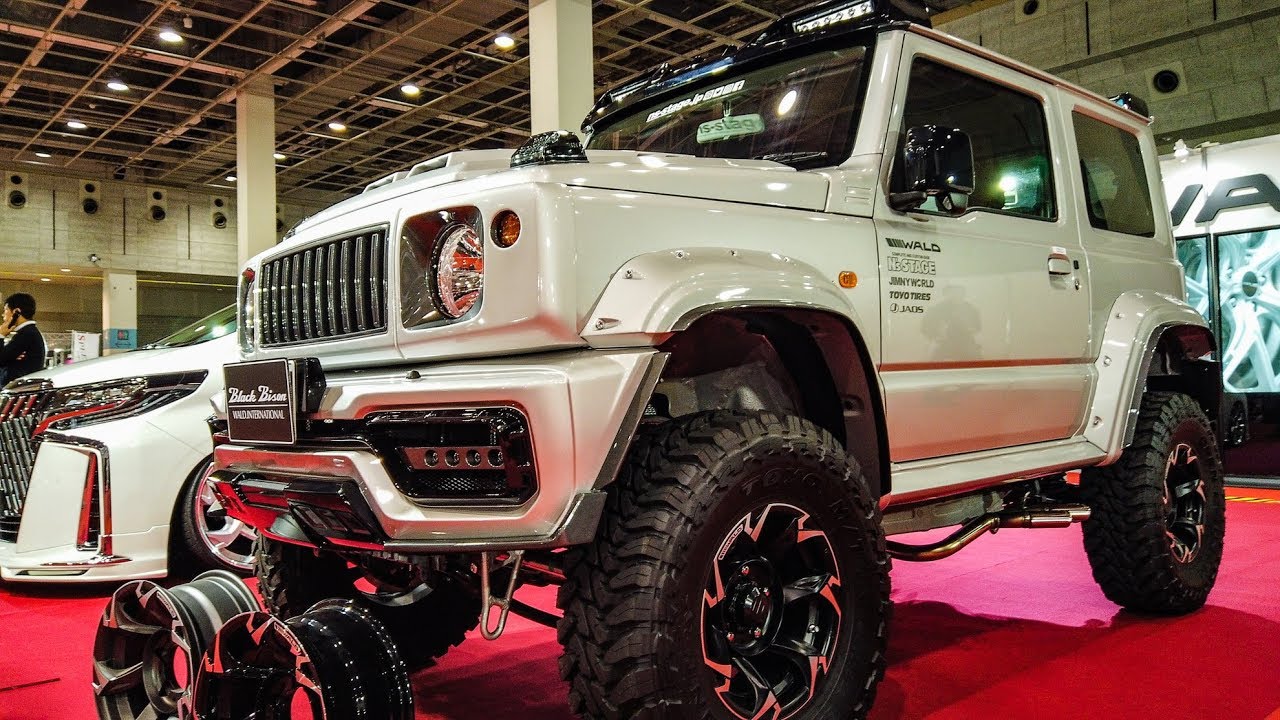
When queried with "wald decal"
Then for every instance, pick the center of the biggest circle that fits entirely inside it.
(913, 245)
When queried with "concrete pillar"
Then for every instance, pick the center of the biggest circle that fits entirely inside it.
(255, 168)
(560, 64)
(119, 311)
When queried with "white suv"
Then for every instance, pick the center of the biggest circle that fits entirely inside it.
(103, 464)
(856, 279)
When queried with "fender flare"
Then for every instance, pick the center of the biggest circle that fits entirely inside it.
(1136, 325)
(657, 293)
(652, 296)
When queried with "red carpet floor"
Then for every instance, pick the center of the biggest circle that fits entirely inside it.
(1012, 627)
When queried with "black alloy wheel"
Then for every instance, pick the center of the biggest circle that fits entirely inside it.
(425, 622)
(1155, 536)
(1184, 503)
(739, 572)
(771, 612)
(150, 640)
(334, 662)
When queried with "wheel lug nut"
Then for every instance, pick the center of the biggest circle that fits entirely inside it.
(746, 570)
(814, 629)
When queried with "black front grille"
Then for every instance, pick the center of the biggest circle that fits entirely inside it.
(335, 289)
(19, 413)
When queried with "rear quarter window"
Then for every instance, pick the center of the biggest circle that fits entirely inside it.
(1117, 195)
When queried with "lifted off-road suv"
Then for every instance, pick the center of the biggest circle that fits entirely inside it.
(857, 279)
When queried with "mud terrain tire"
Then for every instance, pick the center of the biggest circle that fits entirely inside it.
(733, 545)
(1159, 513)
(292, 578)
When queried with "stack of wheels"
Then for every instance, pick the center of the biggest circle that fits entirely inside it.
(336, 660)
(150, 641)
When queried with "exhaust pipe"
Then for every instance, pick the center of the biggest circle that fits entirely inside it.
(1047, 516)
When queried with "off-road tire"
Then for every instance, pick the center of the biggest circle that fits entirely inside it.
(633, 599)
(1126, 538)
(292, 578)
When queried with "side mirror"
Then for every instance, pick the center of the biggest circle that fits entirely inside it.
(936, 162)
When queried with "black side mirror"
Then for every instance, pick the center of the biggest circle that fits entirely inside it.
(935, 161)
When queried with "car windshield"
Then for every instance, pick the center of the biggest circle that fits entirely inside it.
(222, 322)
(801, 112)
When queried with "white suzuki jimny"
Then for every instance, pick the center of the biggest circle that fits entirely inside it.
(856, 279)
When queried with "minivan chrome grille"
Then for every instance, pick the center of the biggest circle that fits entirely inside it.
(19, 413)
(331, 290)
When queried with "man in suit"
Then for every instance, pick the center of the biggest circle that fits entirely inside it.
(23, 350)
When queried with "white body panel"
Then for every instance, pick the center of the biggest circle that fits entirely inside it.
(574, 402)
(975, 326)
(990, 371)
(149, 458)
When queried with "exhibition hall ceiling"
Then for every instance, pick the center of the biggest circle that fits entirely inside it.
(142, 90)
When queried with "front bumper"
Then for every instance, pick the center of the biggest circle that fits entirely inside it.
(582, 408)
(135, 470)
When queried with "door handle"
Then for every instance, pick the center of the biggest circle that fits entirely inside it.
(1059, 263)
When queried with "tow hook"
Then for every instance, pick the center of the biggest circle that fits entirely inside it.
(513, 560)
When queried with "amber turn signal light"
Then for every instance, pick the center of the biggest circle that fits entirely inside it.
(848, 279)
(506, 229)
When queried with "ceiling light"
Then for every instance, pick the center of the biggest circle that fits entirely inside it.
(411, 90)
(65, 269)
(170, 36)
(231, 178)
(278, 156)
(76, 125)
(504, 42)
(788, 101)
(337, 127)
(117, 86)
(45, 280)
(42, 154)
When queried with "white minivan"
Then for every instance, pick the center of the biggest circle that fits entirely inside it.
(102, 464)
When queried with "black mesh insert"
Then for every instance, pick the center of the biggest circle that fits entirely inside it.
(397, 436)
(19, 414)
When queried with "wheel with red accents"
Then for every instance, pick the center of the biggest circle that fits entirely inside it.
(1155, 537)
(150, 640)
(334, 661)
(740, 572)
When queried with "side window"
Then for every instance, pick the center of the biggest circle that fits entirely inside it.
(1115, 181)
(1012, 171)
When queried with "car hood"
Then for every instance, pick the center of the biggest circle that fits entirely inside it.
(759, 182)
(210, 355)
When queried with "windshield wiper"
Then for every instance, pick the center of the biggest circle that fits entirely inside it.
(793, 157)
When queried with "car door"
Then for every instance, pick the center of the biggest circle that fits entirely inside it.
(985, 322)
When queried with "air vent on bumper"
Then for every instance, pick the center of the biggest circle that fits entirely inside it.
(451, 457)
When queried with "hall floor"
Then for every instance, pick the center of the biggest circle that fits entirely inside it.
(1012, 627)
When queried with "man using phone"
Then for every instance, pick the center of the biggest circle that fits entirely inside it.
(23, 350)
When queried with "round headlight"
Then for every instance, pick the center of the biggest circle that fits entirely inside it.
(459, 270)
